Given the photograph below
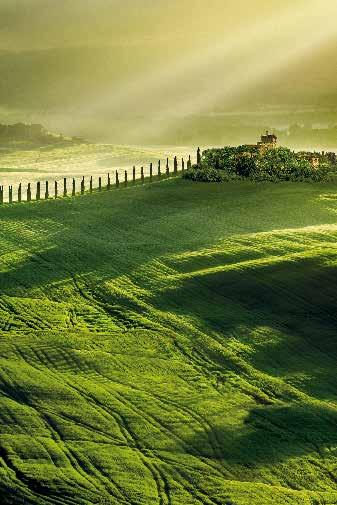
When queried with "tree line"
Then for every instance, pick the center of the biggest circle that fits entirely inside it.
(260, 164)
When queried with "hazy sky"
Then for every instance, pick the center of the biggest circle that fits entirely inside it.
(48, 23)
(149, 63)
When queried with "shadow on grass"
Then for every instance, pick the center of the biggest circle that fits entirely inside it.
(283, 313)
(271, 435)
(117, 232)
(108, 235)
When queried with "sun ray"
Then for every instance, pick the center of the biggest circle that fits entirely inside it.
(150, 93)
(296, 36)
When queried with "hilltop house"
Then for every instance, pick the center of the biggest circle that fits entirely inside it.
(269, 140)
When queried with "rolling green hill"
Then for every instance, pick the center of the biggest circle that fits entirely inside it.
(172, 344)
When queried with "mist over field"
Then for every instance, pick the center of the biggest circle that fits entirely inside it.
(168, 275)
(178, 72)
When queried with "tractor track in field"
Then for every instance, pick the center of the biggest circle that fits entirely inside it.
(111, 487)
(73, 458)
(131, 441)
(162, 485)
(197, 418)
(32, 324)
(22, 480)
(136, 431)
(70, 456)
(157, 424)
(188, 483)
(200, 360)
(134, 443)
(159, 478)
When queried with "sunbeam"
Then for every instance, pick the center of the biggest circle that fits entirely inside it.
(257, 65)
(127, 72)
(223, 71)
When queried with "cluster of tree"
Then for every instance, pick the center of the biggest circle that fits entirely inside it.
(249, 162)
(33, 133)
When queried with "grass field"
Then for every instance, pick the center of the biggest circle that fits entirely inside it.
(52, 162)
(172, 344)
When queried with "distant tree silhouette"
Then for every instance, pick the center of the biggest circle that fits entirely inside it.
(38, 191)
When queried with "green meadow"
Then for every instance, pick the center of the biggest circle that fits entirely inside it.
(170, 344)
(31, 163)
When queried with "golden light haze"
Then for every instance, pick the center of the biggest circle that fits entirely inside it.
(46, 23)
(133, 69)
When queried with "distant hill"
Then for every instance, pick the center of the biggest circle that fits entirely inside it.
(33, 133)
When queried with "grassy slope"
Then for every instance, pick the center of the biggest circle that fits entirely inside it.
(52, 161)
(170, 344)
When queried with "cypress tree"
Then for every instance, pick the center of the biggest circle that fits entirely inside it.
(82, 186)
(100, 184)
(198, 156)
(90, 184)
(55, 190)
(125, 178)
(38, 190)
(182, 164)
(47, 191)
(65, 192)
(10, 194)
(20, 193)
(73, 193)
(167, 167)
(29, 193)
(133, 175)
(151, 172)
(1, 195)
(109, 183)
(159, 171)
(175, 165)
(189, 163)
(142, 174)
(117, 179)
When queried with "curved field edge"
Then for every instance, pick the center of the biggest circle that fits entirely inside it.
(170, 344)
